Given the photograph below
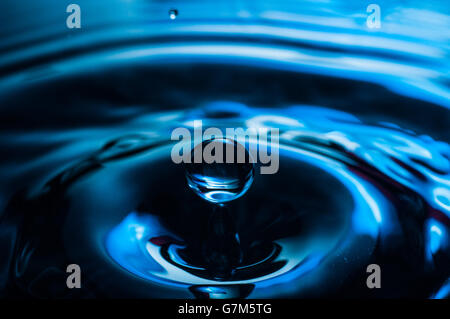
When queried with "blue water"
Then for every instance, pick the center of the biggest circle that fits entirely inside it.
(86, 120)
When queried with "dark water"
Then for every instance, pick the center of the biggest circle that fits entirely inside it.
(87, 178)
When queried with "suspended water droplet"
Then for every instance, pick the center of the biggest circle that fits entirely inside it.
(219, 178)
(173, 13)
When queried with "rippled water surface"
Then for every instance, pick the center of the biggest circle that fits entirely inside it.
(364, 177)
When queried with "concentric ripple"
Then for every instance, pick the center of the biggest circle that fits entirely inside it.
(364, 170)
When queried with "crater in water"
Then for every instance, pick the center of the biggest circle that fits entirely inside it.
(89, 179)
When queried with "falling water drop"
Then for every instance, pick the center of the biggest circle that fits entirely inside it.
(173, 13)
(221, 178)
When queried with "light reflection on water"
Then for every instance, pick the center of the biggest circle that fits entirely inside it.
(363, 117)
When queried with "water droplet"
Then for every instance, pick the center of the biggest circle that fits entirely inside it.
(173, 13)
(221, 178)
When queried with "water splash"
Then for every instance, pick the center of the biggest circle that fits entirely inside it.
(364, 150)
